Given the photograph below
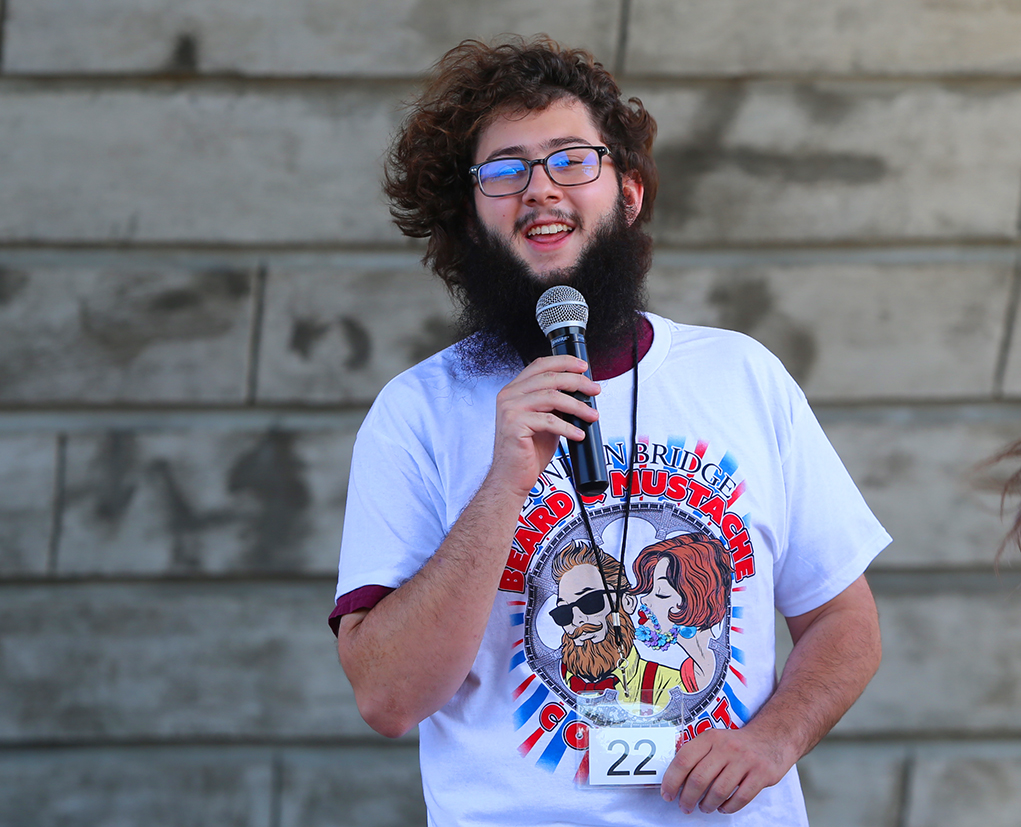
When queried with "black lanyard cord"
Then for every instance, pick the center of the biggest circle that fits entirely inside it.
(616, 594)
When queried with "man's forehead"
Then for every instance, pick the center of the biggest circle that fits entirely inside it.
(581, 578)
(515, 130)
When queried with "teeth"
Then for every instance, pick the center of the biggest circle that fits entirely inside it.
(549, 229)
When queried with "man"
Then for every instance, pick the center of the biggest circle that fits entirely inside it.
(593, 656)
(523, 167)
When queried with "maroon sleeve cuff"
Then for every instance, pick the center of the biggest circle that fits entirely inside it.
(364, 598)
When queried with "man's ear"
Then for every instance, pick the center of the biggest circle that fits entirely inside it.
(629, 603)
(633, 192)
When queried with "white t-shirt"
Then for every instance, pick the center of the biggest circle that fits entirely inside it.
(729, 449)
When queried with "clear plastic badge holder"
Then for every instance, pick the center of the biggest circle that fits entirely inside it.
(621, 750)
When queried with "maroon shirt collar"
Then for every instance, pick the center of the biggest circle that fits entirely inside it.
(620, 362)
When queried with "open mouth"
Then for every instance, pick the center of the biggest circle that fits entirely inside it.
(542, 231)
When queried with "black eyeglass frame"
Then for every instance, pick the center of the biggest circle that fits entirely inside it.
(601, 152)
(566, 610)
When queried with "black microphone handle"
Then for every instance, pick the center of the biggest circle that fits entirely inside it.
(587, 459)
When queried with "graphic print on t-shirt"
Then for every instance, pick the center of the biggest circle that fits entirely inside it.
(653, 641)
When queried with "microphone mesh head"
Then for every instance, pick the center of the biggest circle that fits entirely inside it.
(561, 306)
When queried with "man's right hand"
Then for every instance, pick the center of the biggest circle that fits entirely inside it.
(528, 421)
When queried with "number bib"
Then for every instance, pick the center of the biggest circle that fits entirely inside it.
(630, 755)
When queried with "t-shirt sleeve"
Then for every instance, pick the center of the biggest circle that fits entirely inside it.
(394, 518)
(364, 598)
(832, 535)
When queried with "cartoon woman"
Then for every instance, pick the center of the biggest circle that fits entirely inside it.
(683, 584)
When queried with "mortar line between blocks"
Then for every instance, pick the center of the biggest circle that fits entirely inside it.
(57, 506)
(255, 335)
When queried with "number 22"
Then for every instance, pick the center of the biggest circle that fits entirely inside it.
(639, 770)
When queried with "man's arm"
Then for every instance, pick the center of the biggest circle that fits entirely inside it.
(836, 652)
(407, 655)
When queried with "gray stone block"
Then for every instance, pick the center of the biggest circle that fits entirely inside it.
(308, 37)
(193, 502)
(835, 161)
(951, 665)
(848, 330)
(919, 475)
(205, 164)
(968, 786)
(339, 335)
(829, 37)
(128, 787)
(356, 787)
(135, 661)
(739, 163)
(853, 785)
(123, 333)
(27, 480)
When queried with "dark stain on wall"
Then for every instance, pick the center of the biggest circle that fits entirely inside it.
(185, 523)
(139, 310)
(796, 348)
(273, 474)
(305, 334)
(891, 470)
(747, 305)
(12, 283)
(359, 343)
(809, 168)
(225, 283)
(184, 55)
(437, 333)
(116, 480)
(742, 304)
(682, 166)
(174, 301)
(823, 106)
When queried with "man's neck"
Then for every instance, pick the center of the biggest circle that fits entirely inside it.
(620, 361)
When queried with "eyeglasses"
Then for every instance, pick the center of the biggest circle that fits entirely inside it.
(569, 167)
(587, 604)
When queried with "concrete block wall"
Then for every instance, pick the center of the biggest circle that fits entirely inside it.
(200, 294)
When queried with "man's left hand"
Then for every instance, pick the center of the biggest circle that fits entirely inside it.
(723, 769)
(836, 652)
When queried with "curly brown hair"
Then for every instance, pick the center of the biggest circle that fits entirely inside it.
(426, 175)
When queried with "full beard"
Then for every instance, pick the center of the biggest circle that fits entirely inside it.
(594, 660)
(498, 293)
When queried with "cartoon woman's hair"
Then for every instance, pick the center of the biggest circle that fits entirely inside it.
(699, 569)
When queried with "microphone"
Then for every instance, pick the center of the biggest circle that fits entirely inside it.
(562, 314)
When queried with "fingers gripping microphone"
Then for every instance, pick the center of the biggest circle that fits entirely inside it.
(562, 314)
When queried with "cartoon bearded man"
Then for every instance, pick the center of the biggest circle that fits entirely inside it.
(684, 586)
(594, 656)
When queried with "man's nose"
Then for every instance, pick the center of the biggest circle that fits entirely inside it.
(542, 189)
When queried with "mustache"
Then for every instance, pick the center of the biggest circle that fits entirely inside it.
(585, 628)
(555, 212)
